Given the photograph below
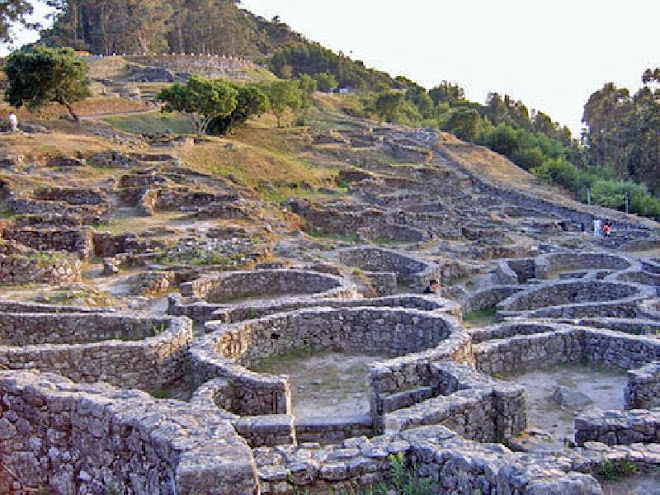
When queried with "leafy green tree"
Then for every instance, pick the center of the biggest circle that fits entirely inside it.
(421, 99)
(326, 82)
(201, 99)
(308, 87)
(283, 96)
(446, 92)
(503, 139)
(12, 11)
(388, 105)
(39, 75)
(464, 124)
(251, 101)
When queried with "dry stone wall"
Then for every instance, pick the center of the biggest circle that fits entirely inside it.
(58, 269)
(59, 437)
(618, 427)
(78, 346)
(643, 388)
(409, 270)
(237, 285)
(72, 240)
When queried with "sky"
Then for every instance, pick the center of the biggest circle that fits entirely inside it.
(551, 54)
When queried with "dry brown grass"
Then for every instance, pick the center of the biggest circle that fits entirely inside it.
(40, 147)
(87, 108)
(259, 167)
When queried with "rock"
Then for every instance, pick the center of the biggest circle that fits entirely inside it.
(567, 397)
(33, 129)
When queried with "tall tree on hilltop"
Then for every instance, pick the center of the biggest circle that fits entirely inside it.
(446, 92)
(604, 115)
(12, 11)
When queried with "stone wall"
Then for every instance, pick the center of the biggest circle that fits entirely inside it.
(264, 283)
(72, 196)
(55, 269)
(547, 265)
(409, 270)
(58, 437)
(235, 313)
(576, 299)
(72, 240)
(475, 406)
(456, 465)
(618, 427)
(550, 344)
(228, 350)
(158, 359)
(643, 388)
(487, 298)
(90, 214)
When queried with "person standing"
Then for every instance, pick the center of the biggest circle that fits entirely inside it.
(598, 225)
(13, 122)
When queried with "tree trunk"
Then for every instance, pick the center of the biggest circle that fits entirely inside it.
(71, 110)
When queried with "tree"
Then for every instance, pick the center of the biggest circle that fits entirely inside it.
(39, 75)
(464, 124)
(251, 101)
(12, 11)
(308, 87)
(326, 82)
(283, 96)
(202, 99)
(389, 105)
(446, 92)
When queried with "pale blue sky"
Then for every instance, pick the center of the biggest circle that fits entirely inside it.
(550, 54)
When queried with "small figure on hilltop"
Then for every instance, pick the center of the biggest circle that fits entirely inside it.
(433, 287)
(607, 228)
(13, 122)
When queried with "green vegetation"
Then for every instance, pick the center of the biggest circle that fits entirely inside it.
(151, 123)
(38, 75)
(12, 11)
(319, 62)
(621, 141)
(288, 356)
(614, 471)
(251, 100)
(202, 100)
(481, 318)
(284, 96)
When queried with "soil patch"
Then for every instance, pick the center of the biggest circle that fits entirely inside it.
(603, 387)
(325, 385)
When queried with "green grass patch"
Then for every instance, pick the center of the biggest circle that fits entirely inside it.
(150, 123)
(289, 356)
(333, 237)
(481, 318)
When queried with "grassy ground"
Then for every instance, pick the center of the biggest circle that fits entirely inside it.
(151, 123)
(481, 318)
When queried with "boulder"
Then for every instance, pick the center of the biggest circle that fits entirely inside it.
(567, 397)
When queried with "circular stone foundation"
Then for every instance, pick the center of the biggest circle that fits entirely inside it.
(230, 350)
(288, 289)
(120, 349)
(576, 299)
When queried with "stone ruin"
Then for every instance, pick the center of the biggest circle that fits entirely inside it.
(432, 393)
(78, 387)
